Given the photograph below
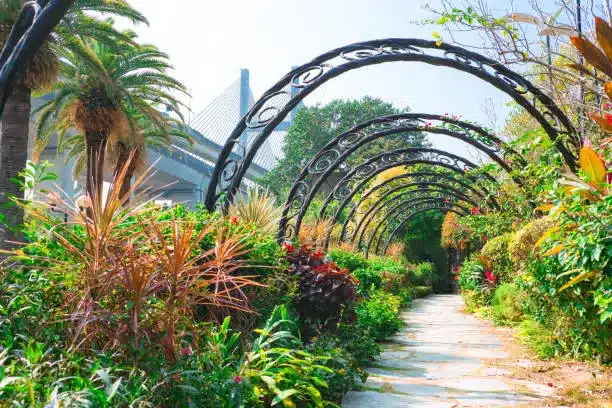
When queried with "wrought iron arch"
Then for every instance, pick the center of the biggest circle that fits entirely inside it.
(388, 187)
(382, 203)
(338, 150)
(358, 178)
(400, 209)
(408, 211)
(34, 24)
(396, 230)
(270, 110)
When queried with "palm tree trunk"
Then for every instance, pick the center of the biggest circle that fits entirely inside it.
(96, 150)
(13, 158)
(123, 156)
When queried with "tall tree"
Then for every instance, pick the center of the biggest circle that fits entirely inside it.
(131, 146)
(40, 73)
(313, 127)
(103, 92)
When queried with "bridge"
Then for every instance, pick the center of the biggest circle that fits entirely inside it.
(183, 171)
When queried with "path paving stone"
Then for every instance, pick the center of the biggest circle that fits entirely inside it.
(439, 360)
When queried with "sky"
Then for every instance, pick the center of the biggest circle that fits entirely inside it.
(210, 41)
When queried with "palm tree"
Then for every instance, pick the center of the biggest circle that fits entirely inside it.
(41, 72)
(103, 92)
(130, 147)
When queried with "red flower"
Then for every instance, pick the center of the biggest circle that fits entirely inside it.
(475, 210)
(288, 247)
(235, 220)
(490, 276)
(608, 117)
(187, 351)
(237, 379)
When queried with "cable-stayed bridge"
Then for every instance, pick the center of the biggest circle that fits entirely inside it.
(182, 171)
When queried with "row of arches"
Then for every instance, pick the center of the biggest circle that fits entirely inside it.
(367, 214)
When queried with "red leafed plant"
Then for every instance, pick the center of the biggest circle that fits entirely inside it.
(138, 277)
(326, 292)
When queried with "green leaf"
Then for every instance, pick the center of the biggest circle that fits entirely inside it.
(283, 395)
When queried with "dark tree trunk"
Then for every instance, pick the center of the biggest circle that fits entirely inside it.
(13, 158)
(96, 149)
(123, 156)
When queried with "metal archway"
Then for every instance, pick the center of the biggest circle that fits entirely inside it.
(400, 209)
(409, 211)
(387, 188)
(270, 110)
(402, 191)
(358, 178)
(339, 150)
(459, 213)
(34, 24)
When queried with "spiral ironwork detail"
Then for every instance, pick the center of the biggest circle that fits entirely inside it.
(281, 98)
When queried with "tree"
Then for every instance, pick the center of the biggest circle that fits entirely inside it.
(130, 147)
(313, 127)
(40, 73)
(104, 91)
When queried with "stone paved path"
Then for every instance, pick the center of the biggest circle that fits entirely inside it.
(439, 360)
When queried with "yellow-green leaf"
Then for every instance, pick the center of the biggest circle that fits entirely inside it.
(555, 250)
(545, 236)
(544, 207)
(579, 278)
(592, 165)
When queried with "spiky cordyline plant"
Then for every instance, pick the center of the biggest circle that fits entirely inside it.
(122, 258)
(103, 92)
(314, 233)
(258, 209)
(396, 250)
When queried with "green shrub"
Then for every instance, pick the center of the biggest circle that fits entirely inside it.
(537, 337)
(506, 304)
(471, 274)
(496, 251)
(369, 280)
(522, 243)
(422, 274)
(389, 265)
(474, 300)
(348, 259)
(421, 291)
(379, 313)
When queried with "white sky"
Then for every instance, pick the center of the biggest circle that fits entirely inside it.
(209, 41)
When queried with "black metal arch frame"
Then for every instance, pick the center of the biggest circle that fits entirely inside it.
(389, 187)
(408, 211)
(270, 110)
(403, 205)
(400, 225)
(382, 204)
(338, 150)
(34, 24)
(360, 176)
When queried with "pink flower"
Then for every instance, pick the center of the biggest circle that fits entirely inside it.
(490, 276)
(187, 351)
(237, 379)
